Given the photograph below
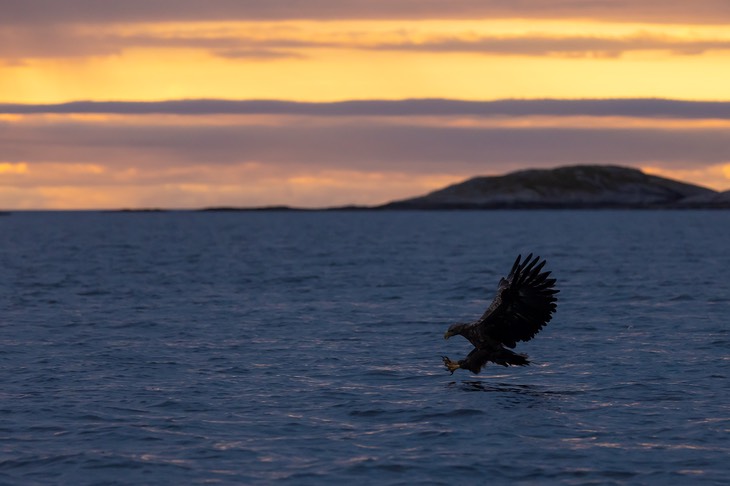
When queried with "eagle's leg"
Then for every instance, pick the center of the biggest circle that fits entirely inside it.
(451, 365)
(473, 362)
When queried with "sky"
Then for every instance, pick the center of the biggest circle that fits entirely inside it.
(314, 103)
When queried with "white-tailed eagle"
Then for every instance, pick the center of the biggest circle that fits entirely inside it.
(524, 304)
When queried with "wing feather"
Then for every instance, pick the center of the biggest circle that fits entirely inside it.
(524, 304)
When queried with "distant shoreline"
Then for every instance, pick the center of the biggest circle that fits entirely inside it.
(363, 209)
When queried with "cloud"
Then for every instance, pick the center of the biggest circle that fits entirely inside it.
(645, 108)
(357, 145)
(19, 43)
(571, 46)
(92, 11)
(64, 161)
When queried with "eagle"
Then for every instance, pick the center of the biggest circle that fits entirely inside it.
(524, 304)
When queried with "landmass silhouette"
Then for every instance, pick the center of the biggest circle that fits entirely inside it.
(567, 187)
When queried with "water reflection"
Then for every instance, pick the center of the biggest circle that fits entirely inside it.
(482, 386)
(526, 389)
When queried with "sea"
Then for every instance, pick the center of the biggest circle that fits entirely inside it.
(305, 348)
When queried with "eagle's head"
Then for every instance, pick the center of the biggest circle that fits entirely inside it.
(455, 329)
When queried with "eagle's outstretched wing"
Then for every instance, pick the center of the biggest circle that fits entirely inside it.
(524, 303)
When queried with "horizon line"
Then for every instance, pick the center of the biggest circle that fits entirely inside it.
(274, 207)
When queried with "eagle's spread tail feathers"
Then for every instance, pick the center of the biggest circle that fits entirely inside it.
(478, 358)
(505, 357)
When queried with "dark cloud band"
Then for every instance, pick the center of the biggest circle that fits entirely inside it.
(24, 43)
(659, 108)
(94, 11)
(365, 145)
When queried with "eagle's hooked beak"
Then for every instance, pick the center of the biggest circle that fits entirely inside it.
(448, 334)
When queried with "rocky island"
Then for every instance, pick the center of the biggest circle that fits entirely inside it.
(572, 187)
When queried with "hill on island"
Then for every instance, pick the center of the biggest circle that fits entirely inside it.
(581, 186)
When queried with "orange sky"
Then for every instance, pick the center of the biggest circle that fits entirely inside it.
(343, 51)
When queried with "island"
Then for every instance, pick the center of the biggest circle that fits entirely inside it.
(569, 187)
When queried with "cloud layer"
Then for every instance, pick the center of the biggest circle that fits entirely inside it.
(333, 154)
(364, 145)
(27, 42)
(659, 108)
(160, 49)
(80, 11)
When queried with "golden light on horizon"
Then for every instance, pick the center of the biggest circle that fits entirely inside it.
(13, 168)
(715, 177)
(84, 188)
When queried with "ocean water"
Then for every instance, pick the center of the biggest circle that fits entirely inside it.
(305, 348)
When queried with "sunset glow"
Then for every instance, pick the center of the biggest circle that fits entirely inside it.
(488, 59)
(389, 51)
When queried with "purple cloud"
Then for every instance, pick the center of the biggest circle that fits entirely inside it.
(65, 41)
(651, 108)
(92, 11)
(363, 145)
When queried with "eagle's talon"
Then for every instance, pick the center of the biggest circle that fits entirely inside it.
(450, 365)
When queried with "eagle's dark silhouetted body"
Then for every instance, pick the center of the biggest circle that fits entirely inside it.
(524, 304)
